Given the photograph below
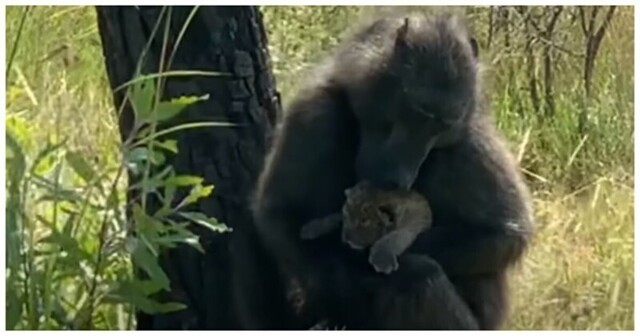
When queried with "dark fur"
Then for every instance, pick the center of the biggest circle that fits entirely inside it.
(389, 96)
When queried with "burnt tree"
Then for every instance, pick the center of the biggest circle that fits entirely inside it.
(222, 39)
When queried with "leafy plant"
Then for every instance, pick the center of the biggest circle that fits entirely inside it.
(82, 200)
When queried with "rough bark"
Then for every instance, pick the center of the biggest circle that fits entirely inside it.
(223, 39)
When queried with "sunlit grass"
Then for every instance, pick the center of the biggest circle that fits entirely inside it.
(578, 273)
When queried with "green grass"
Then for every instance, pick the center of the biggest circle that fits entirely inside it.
(578, 273)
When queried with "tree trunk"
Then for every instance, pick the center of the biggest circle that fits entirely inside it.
(504, 23)
(222, 39)
(547, 57)
(593, 37)
(531, 73)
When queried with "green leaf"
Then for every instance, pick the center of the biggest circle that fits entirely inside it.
(163, 212)
(171, 307)
(142, 154)
(169, 145)
(80, 166)
(197, 193)
(157, 158)
(147, 287)
(142, 95)
(136, 292)
(136, 158)
(16, 167)
(67, 244)
(170, 187)
(169, 196)
(209, 223)
(144, 286)
(180, 234)
(184, 180)
(147, 225)
(144, 258)
(144, 132)
(67, 229)
(169, 109)
(46, 159)
(152, 183)
(19, 129)
(135, 168)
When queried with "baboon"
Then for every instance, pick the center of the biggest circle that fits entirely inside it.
(399, 105)
(368, 219)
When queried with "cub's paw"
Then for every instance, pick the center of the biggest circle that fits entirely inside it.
(383, 262)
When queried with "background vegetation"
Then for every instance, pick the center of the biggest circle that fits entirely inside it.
(574, 138)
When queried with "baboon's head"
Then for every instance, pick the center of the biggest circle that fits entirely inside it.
(434, 64)
(422, 98)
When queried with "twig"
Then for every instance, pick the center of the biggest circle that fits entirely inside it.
(14, 48)
(101, 242)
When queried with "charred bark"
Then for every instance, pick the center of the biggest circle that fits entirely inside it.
(225, 39)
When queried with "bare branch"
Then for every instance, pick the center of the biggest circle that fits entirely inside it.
(525, 14)
(592, 20)
(558, 47)
(526, 18)
(554, 19)
(583, 23)
(597, 39)
(605, 24)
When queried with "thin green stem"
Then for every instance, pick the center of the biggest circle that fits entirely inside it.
(14, 47)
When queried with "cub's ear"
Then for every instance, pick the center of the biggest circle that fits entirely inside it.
(474, 47)
(401, 33)
(348, 192)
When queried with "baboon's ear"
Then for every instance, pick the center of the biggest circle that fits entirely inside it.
(401, 36)
(474, 47)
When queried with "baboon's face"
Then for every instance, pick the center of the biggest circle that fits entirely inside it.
(434, 64)
(425, 96)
